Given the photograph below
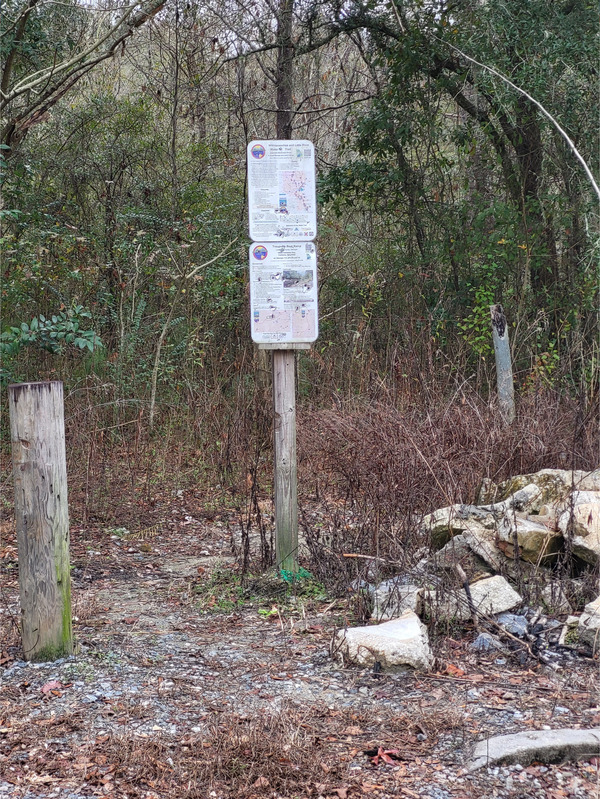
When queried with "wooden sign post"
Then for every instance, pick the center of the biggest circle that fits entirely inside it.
(283, 301)
(37, 432)
(504, 373)
(284, 443)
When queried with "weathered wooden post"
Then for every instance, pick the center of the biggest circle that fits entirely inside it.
(504, 374)
(37, 431)
(284, 440)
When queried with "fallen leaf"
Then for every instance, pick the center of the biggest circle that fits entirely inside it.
(41, 778)
(353, 731)
(389, 756)
(261, 782)
(341, 792)
(455, 671)
(51, 686)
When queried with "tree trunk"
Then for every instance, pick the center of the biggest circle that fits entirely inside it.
(285, 70)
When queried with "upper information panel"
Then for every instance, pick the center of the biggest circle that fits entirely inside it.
(282, 203)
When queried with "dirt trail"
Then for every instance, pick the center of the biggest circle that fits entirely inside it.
(188, 685)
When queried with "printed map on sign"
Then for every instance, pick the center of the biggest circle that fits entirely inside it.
(282, 203)
(294, 187)
(283, 292)
(273, 323)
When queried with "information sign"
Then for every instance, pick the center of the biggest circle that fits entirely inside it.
(282, 202)
(283, 292)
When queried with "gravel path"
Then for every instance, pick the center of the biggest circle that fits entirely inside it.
(186, 686)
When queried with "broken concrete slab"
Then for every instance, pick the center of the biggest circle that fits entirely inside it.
(396, 644)
(547, 746)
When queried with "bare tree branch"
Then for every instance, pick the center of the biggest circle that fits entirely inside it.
(46, 86)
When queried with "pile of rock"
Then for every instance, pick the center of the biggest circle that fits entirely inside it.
(515, 532)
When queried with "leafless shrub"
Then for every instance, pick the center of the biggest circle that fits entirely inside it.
(237, 756)
(381, 467)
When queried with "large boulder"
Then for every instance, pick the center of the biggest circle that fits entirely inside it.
(445, 523)
(587, 548)
(395, 645)
(525, 500)
(589, 625)
(519, 525)
(554, 485)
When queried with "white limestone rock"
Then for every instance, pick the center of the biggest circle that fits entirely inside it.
(537, 542)
(483, 542)
(589, 625)
(396, 644)
(590, 481)
(445, 523)
(554, 485)
(583, 512)
(393, 597)
(521, 501)
(588, 548)
(490, 596)
(555, 598)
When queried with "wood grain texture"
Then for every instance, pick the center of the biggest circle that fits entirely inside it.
(42, 518)
(504, 375)
(284, 434)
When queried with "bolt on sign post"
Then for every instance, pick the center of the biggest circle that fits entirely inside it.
(282, 211)
(37, 432)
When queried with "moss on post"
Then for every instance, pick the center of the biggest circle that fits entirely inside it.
(42, 518)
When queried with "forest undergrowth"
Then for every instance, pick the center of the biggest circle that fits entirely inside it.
(369, 469)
